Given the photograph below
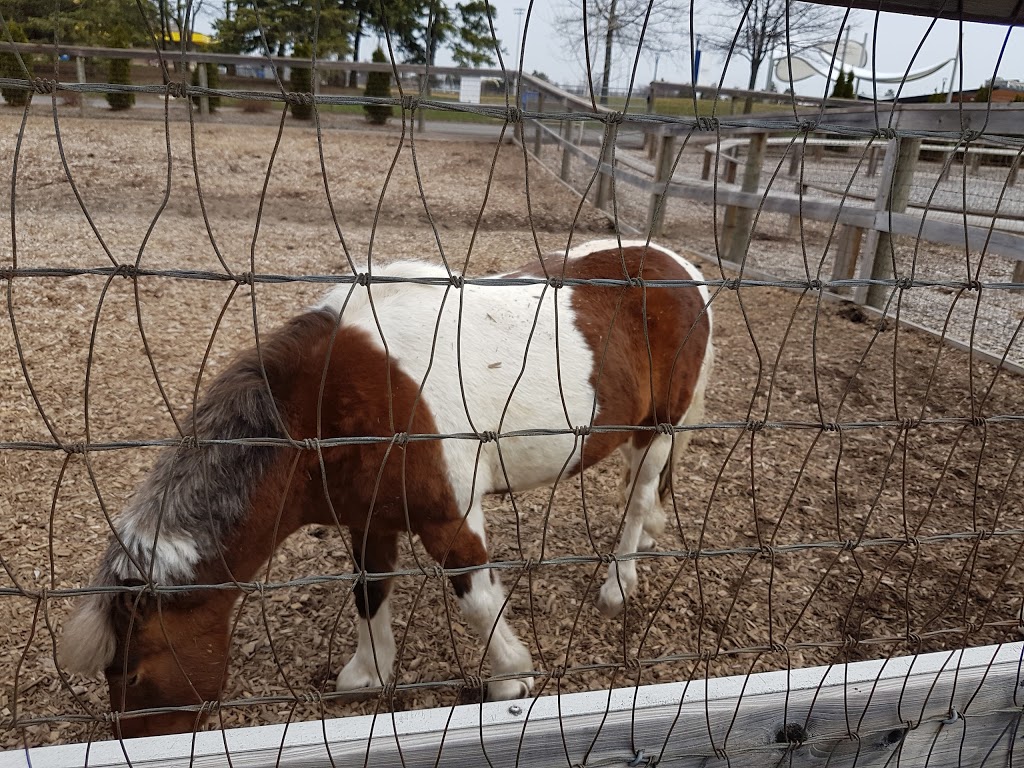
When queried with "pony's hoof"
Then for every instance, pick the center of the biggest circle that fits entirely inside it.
(503, 690)
(647, 543)
(356, 677)
(609, 601)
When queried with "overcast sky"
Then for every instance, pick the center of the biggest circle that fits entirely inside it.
(897, 38)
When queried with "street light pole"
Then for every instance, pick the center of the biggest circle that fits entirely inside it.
(519, 33)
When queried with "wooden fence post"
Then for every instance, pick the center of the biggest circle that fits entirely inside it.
(662, 176)
(847, 252)
(794, 171)
(738, 221)
(204, 100)
(873, 160)
(893, 195)
(604, 178)
(82, 95)
(421, 120)
(566, 154)
(538, 133)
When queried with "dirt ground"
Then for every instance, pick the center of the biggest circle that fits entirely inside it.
(816, 546)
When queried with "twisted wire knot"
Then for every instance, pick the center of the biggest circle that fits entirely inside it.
(969, 135)
(438, 572)
(904, 283)
(973, 285)
(732, 284)
(73, 448)
(707, 655)
(850, 642)
(487, 436)
(767, 551)
(613, 118)
(410, 102)
(970, 628)
(582, 430)
(913, 541)
(295, 98)
(635, 282)
(387, 691)
(665, 428)
(126, 270)
(756, 425)
(831, 426)
(608, 558)
(555, 282)
(885, 133)
(311, 444)
(310, 697)
(908, 424)
(188, 442)
(42, 85)
(457, 281)
(245, 278)
(513, 115)
(208, 708)
(779, 648)
(401, 438)
(849, 545)
(978, 420)
(362, 279)
(176, 90)
(706, 124)
(815, 284)
(557, 672)
(808, 126)
(632, 664)
(984, 534)
(473, 681)
(914, 638)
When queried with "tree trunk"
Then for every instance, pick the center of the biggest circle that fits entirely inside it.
(609, 39)
(353, 76)
(755, 67)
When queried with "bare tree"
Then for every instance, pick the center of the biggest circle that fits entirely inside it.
(766, 26)
(609, 26)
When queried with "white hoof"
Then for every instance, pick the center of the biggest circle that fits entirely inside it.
(647, 543)
(357, 675)
(503, 690)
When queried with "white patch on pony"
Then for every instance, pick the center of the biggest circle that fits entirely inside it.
(173, 559)
(87, 644)
(470, 383)
(374, 660)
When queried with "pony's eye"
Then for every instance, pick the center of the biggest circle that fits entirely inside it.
(132, 680)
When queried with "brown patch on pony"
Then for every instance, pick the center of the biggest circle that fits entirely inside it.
(648, 343)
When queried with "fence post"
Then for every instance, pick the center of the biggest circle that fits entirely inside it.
(604, 178)
(662, 176)
(893, 195)
(873, 160)
(204, 100)
(80, 72)
(738, 221)
(848, 250)
(421, 120)
(566, 154)
(794, 171)
(538, 133)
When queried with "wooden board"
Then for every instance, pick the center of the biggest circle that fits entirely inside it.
(958, 708)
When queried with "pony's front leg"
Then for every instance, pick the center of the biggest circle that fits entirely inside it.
(374, 659)
(460, 543)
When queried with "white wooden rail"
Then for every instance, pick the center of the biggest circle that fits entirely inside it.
(937, 710)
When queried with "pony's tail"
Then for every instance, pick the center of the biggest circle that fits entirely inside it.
(87, 644)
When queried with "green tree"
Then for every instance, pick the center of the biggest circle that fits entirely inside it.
(378, 84)
(120, 72)
(278, 26)
(96, 22)
(984, 93)
(11, 67)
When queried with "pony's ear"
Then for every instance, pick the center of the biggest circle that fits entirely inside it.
(87, 644)
(129, 604)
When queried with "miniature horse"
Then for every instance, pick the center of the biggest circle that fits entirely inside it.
(388, 360)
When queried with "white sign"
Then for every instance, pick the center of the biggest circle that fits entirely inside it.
(469, 90)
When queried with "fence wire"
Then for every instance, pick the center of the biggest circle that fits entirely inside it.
(853, 492)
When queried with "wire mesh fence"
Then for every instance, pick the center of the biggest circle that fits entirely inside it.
(850, 493)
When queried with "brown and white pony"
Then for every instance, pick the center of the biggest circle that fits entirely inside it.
(382, 360)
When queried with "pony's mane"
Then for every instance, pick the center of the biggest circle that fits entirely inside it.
(194, 497)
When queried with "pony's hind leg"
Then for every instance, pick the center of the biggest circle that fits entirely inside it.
(374, 659)
(460, 543)
(643, 519)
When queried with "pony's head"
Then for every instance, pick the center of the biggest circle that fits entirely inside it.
(156, 652)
